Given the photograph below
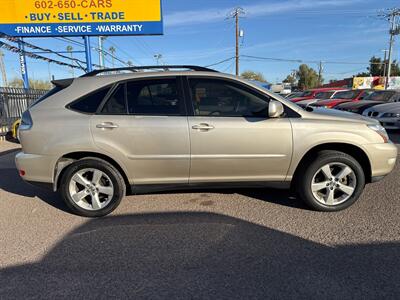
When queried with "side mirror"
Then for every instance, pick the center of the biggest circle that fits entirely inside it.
(275, 109)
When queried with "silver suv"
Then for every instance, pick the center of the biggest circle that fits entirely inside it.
(96, 138)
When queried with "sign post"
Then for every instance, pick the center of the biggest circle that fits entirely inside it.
(88, 51)
(85, 18)
(22, 63)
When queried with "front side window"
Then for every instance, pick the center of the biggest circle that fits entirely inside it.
(155, 97)
(220, 98)
(90, 103)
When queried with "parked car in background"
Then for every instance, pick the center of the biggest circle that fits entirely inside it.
(294, 95)
(376, 98)
(343, 97)
(95, 137)
(387, 114)
(314, 93)
(318, 97)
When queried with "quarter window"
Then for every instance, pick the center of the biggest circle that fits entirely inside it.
(220, 98)
(156, 97)
(90, 103)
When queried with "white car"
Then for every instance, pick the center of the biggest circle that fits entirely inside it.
(388, 114)
(319, 96)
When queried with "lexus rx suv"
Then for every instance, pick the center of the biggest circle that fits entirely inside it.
(144, 129)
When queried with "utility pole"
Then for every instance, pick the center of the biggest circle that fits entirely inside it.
(236, 13)
(385, 51)
(391, 15)
(3, 69)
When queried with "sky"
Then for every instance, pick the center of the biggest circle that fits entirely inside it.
(198, 32)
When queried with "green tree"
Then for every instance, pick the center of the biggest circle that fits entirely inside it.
(251, 75)
(307, 77)
(377, 68)
(290, 79)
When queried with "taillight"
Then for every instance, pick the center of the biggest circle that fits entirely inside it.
(26, 121)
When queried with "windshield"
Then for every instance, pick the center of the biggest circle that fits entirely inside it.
(324, 95)
(346, 95)
(307, 94)
(380, 96)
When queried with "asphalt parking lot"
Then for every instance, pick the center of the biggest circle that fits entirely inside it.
(251, 244)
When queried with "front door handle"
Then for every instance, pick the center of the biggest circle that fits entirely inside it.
(107, 125)
(203, 127)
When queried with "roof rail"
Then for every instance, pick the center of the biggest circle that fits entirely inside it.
(139, 68)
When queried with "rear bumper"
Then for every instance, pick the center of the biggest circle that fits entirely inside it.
(36, 168)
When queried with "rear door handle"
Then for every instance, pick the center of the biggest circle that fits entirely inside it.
(107, 125)
(203, 127)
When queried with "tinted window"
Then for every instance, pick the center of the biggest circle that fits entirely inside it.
(116, 104)
(346, 95)
(91, 102)
(380, 96)
(156, 97)
(324, 95)
(221, 98)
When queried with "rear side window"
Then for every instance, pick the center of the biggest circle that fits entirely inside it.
(90, 103)
(116, 103)
(155, 97)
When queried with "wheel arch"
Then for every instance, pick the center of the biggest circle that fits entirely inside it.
(64, 161)
(356, 152)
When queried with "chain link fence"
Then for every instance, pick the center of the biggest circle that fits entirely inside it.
(13, 102)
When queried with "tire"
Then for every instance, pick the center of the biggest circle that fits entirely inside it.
(312, 182)
(92, 187)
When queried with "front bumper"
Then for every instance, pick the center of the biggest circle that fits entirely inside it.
(382, 157)
(36, 168)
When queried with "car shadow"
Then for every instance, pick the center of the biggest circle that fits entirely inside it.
(204, 256)
(12, 183)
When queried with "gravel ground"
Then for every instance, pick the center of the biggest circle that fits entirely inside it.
(252, 244)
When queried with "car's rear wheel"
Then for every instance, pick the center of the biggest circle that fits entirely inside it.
(92, 187)
(332, 182)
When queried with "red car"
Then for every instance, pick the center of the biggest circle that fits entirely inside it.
(314, 94)
(343, 97)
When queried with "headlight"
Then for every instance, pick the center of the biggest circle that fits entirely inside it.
(379, 129)
(391, 115)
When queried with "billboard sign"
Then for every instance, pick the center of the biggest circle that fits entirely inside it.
(42, 18)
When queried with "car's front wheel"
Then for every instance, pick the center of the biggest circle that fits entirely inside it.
(332, 182)
(92, 187)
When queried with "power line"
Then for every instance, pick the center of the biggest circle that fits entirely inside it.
(258, 58)
(36, 56)
(29, 45)
(220, 62)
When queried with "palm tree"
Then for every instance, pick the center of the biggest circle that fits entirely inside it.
(70, 50)
(112, 51)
